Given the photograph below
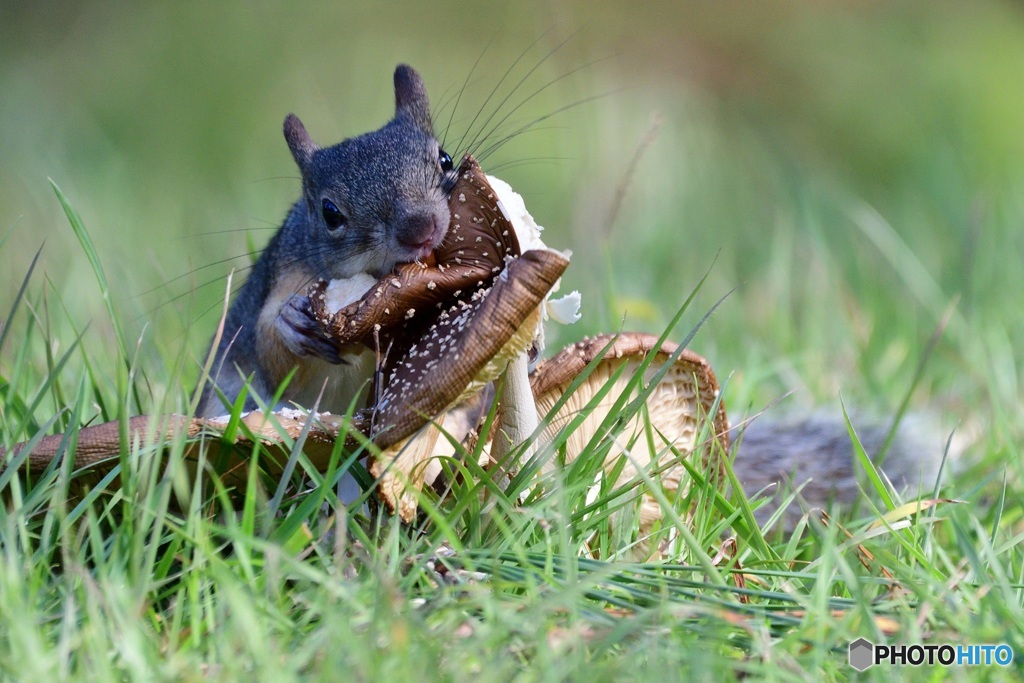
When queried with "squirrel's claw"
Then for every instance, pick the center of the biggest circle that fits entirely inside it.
(301, 333)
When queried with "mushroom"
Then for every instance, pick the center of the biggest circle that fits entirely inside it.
(682, 406)
(445, 329)
(470, 347)
(684, 401)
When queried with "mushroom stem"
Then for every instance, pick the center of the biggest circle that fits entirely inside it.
(518, 419)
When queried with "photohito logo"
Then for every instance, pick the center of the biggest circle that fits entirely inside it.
(864, 654)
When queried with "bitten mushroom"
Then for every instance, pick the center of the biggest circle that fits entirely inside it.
(462, 360)
(445, 329)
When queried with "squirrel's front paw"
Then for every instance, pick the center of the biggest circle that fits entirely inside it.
(301, 334)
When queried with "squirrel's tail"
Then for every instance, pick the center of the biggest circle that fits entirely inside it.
(776, 457)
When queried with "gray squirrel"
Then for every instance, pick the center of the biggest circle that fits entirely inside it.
(380, 199)
(367, 203)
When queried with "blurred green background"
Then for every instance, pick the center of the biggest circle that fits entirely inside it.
(849, 168)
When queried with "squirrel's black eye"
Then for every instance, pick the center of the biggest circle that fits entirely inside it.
(332, 215)
(445, 161)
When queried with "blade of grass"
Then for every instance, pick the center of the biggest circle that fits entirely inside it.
(6, 329)
(926, 355)
(78, 226)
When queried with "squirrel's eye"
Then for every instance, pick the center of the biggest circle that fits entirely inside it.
(332, 215)
(445, 161)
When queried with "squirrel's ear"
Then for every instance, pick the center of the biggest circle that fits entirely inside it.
(299, 142)
(411, 98)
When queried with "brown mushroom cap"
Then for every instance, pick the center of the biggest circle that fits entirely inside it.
(690, 384)
(469, 345)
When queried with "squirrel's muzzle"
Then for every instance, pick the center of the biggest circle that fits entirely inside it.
(421, 229)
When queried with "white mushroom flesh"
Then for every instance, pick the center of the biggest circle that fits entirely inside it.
(341, 293)
(564, 310)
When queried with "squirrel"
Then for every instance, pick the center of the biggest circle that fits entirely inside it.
(368, 203)
(379, 199)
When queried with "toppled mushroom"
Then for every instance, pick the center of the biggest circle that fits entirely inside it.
(678, 409)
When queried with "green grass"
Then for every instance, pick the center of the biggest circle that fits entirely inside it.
(850, 174)
(154, 576)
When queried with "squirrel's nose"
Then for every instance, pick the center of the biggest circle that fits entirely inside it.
(419, 229)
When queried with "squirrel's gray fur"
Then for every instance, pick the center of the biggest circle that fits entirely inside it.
(391, 187)
(814, 453)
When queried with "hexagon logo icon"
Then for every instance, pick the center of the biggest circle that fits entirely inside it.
(862, 654)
